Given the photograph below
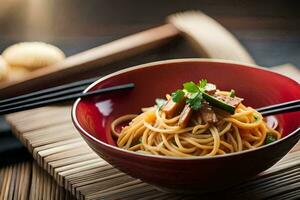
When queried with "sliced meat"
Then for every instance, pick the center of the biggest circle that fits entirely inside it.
(185, 116)
(171, 108)
(210, 88)
(208, 114)
(233, 101)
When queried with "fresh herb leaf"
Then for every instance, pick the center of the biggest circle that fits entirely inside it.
(232, 93)
(255, 117)
(191, 87)
(177, 96)
(194, 95)
(160, 102)
(270, 138)
(202, 83)
(197, 105)
(174, 142)
(195, 101)
(193, 92)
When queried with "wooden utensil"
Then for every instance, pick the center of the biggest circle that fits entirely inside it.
(207, 36)
(90, 59)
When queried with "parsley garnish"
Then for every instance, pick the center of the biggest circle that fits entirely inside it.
(270, 138)
(255, 117)
(140, 140)
(232, 93)
(191, 87)
(193, 92)
(195, 101)
(177, 96)
(202, 83)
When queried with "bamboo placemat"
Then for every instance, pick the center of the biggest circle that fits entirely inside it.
(49, 135)
(27, 180)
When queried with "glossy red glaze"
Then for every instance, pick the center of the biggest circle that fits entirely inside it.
(259, 87)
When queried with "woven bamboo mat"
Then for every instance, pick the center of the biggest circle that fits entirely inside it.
(27, 180)
(49, 135)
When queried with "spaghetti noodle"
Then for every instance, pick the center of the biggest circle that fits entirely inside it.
(154, 132)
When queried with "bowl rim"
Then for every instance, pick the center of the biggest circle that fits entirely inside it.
(86, 134)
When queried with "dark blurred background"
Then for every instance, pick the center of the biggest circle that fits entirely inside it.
(269, 29)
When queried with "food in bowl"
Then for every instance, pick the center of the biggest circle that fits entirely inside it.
(198, 120)
(259, 87)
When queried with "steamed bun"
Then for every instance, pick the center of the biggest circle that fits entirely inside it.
(3, 68)
(32, 55)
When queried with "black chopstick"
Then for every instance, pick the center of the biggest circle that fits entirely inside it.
(286, 109)
(291, 106)
(44, 97)
(49, 90)
(74, 90)
(280, 105)
(39, 103)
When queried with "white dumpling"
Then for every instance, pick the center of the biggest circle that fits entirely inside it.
(3, 68)
(32, 55)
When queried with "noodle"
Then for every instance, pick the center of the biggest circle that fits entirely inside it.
(152, 132)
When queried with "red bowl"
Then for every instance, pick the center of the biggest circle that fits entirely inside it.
(260, 87)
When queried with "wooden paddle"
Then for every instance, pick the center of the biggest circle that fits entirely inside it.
(206, 35)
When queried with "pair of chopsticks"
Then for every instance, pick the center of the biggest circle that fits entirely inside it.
(74, 90)
(290, 106)
(53, 95)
